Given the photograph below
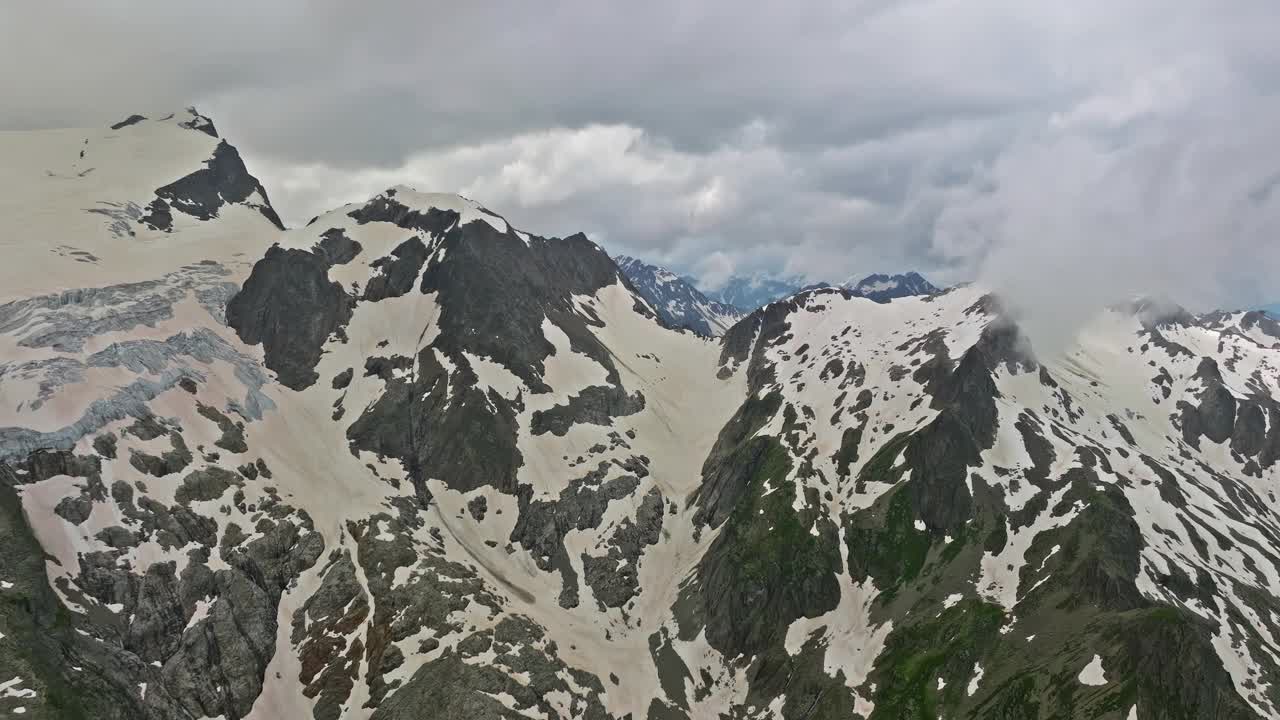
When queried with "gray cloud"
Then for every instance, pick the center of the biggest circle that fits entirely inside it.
(1069, 154)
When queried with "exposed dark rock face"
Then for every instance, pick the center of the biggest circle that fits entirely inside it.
(614, 578)
(207, 484)
(200, 639)
(760, 329)
(1271, 449)
(940, 454)
(223, 180)
(442, 421)
(1215, 416)
(1217, 405)
(232, 439)
(434, 590)
(44, 464)
(131, 120)
(453, 688)
(771, 564)
(848, 452)
(147, 427)
(677, 302)
(543, 524)
(727, 471)
(158, 216)
(1250, 430)
(765, 569)
(199, 123)
(329, 671)
(596, 405)
(478, 506)
(39, 637)
(237, 636)
(290, 306)
(343, 379)
(336, 248)
(386, 368)
(495, 291)
(74, 509)
(399, 272)
(170, 462)
(386, 208)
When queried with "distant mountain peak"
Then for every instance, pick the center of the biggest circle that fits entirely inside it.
(676, 300)
(882, 288)
(748, 292)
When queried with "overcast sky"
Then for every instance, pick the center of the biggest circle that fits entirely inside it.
(1057, 150)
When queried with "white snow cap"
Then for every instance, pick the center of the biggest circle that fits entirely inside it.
(469, 210)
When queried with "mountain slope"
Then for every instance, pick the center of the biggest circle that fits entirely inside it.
(410, 457)
(883, 288)
(1034, 519)
(676, 301)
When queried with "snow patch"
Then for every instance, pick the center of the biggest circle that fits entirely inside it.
(973, 682)
(1092, 674)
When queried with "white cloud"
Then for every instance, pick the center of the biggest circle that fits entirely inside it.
(714, 270)
(1067, 221)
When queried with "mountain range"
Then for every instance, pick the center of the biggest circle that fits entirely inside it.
(679, 303)
(750, 292)
(676, 301)
(410, 461)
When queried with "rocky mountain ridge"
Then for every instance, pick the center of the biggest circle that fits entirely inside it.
(747, 294)
(409, 456)
(676, 301)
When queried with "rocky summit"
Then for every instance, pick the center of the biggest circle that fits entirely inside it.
(409, 461)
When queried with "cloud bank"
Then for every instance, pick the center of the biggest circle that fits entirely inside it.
(1069, 155)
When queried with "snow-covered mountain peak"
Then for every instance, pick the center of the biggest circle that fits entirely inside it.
(128, 200)
(468, 210)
